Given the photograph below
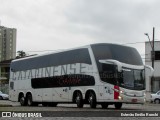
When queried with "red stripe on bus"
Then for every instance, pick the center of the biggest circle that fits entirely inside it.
(116, 94)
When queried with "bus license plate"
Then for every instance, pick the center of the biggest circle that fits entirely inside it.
(134, 100)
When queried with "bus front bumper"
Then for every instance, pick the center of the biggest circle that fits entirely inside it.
(132, 99)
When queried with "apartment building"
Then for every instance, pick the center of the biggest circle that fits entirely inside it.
(7, 43)
(7, 52)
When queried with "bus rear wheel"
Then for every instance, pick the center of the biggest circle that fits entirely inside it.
(118, 105)
(22, 100)
(30, 101)
(79, 100)
(92, 100)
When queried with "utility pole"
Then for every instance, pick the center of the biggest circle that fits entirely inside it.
(152, 56)
(153, 53)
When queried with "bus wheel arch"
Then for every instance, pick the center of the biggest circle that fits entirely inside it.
(78, 98)
(91, 98)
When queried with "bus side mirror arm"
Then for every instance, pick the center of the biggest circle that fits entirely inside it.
(151, 69)
(113, 62)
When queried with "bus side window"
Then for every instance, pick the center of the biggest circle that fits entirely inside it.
(108, 73)
(74, 56)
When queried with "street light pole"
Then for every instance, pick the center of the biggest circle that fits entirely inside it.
(153, 53)
(152, 47)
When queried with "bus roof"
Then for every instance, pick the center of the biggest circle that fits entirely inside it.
(45, 60)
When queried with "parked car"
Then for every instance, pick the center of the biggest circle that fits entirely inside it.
(3, 96)
(155, 98)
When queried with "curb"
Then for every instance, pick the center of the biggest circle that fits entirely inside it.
(5, 105)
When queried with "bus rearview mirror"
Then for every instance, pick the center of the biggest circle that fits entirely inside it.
(151, 70)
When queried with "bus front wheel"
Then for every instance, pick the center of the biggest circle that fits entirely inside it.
(118, 105)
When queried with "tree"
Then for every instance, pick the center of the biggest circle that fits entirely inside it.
(21, 54)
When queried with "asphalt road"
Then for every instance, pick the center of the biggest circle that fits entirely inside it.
(5, 105)
(70, 111)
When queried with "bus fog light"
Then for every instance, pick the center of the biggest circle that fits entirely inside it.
(120, 98)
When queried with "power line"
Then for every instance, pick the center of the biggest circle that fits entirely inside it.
(146, 58)
(63, 49)
(45, 50)
(133, 43)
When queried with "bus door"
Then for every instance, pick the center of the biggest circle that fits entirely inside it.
(108, 76)
(108, 92)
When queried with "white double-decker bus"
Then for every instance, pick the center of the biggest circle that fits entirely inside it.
(106, 74)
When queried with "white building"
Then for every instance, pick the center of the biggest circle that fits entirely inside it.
(153, 85)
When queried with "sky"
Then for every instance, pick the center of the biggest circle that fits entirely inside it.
(44, 25)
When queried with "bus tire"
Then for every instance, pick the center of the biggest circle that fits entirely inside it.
(79, 99)
(22, 100)
(118, 105)
(92, 100)
(29, 100)
(104, 105)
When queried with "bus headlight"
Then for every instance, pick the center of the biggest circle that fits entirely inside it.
(120, 98)
(121, 91)
(144, 94)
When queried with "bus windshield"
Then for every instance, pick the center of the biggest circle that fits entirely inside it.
(128, 78)
(132, 79)
(120, 53)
